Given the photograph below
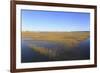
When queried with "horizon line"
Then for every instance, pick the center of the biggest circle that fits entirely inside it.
(55, 31)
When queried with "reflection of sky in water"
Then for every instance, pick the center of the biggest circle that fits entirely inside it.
(81, 51)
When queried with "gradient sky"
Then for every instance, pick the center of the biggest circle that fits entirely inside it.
(35, 20)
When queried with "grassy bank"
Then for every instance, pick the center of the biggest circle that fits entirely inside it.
(69, 38)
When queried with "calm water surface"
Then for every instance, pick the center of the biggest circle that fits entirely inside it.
(61, 51)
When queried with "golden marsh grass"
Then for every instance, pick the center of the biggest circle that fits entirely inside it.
(68, 38)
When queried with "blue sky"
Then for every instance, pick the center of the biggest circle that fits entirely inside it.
(35, 20)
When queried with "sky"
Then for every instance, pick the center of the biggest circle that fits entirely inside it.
(35, 20)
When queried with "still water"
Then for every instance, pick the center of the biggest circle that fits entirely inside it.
(59, 51)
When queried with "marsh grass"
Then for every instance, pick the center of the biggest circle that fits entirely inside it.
(44, 51)
(67, 38)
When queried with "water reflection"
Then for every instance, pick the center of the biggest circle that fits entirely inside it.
(41, 51)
